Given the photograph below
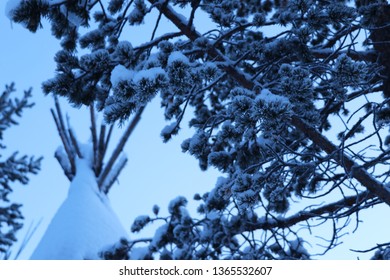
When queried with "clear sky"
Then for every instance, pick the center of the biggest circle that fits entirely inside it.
(156, 172)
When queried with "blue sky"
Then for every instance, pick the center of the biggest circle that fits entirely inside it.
(156, 172)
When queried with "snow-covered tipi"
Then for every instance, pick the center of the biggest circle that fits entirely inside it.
(85, 224)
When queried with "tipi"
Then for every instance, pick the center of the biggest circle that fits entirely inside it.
(85, 224)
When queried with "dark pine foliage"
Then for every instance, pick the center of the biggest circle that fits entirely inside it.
(290, 102)
(13, 169)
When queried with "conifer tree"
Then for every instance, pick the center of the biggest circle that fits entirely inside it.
(290, 102)
(13, 169)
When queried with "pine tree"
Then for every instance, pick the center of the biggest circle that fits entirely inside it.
(287, 103)
(14, 169)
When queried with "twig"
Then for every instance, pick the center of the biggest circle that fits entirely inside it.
(378, 246)
(348, 201)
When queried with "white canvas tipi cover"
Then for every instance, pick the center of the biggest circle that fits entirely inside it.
(85, 223)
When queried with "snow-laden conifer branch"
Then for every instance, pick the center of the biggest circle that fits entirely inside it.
(343, 160)
(262, 101)
(332, 210)
(352, 168)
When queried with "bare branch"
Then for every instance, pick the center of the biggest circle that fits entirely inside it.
(352, 168)
(329, 209)
(378, 246)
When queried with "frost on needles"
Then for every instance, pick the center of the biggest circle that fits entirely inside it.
(288, 99)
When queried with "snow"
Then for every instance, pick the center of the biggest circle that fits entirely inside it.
(297, 246)
(84, 224)
(120, 73)
(168, 129)
(264, 142)
(177, 56)
(158, 236)
(140, 222)
(269, 97)
(175, 204)
(148, 74)
(10, 7)
(139, 253)
(179, 16)
(72, 17)
(62, 157)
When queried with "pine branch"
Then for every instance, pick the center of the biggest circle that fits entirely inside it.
(13, 107)
(120, 146)
(378, 246)
(330, 209)
(192, 34)
(352, 168)
(355, 170)
(156, 41)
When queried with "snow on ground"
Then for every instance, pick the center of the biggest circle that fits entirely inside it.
(83, 225)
